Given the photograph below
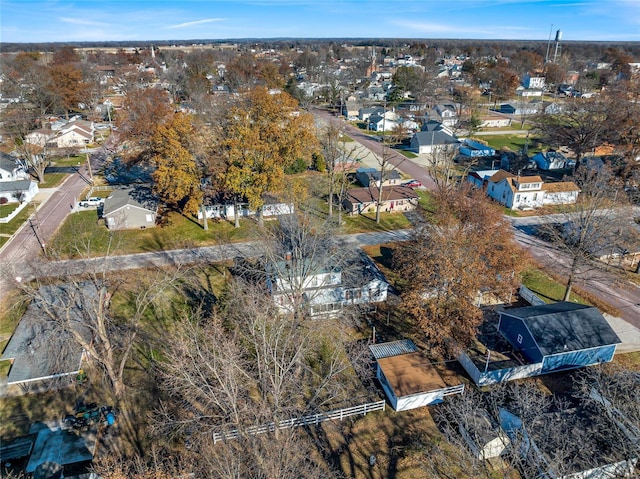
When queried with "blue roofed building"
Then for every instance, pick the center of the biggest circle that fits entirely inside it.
(559, 336)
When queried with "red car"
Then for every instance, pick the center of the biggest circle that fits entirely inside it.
(412, 184)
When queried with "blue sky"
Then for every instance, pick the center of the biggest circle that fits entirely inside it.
(147, 20)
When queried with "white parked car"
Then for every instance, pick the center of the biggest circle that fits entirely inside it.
(93, 201)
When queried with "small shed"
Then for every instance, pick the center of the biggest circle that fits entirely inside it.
(483, 436)
(130, 209)
(407, 377)
(560, 336)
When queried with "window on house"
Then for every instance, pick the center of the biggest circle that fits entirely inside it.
(517, 198)
(519, 339)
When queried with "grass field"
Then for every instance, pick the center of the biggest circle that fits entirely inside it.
(14, 225)
(547, 288)
(51, 180)
(513, 142)
(84, 234)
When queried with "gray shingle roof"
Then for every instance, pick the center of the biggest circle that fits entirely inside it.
(564, 326)
(39, 347)
(7, 162)
(15, 185)
(140, 197)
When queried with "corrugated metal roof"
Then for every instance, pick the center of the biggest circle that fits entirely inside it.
(393, 348)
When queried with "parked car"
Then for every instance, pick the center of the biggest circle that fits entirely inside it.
(412, 184)
(93, 201)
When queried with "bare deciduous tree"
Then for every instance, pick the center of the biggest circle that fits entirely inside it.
(81, 309)
(589, 229)
(338, 159)
(250, 365)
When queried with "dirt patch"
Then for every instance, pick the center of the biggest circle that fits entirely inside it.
(391, 441)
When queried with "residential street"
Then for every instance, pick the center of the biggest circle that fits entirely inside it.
(24, 248)
(624, 296)
(19, 255)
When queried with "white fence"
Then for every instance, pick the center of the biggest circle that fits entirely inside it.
(14, 213)
(304, 420)
(228, 211)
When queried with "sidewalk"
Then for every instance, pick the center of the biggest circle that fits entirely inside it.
(628, 334)
(41, 198)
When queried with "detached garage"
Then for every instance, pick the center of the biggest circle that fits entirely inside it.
(561, 335)
(408, 378)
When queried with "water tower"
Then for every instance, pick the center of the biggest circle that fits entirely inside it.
(557, 48)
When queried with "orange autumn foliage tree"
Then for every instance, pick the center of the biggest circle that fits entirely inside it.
(464, 248)
(177, 176)
(260, 136)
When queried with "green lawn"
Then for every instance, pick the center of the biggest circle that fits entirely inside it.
(70, 161)
(13, 225)
(83, 234)
(513, 142)
(51, 180)
(407, 153)
(547, 288)
(367, 222)
(7, 209)
(514, 126)
(425, 199)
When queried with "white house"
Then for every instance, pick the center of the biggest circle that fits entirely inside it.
(381, 123)
(408, 378)
(515, 191)
(434, 137)
(446, 113)
(560, 193)
(325, 289)
(16, 186)
(71, 137)
(10, 169)
(39, 137)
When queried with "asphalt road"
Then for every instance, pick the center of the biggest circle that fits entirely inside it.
(20, 255)
(606, 286)
(207, 254)
(398, 160)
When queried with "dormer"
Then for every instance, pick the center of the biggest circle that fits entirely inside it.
(527, 183)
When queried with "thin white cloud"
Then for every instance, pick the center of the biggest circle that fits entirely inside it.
(197, 22)
(81, 21)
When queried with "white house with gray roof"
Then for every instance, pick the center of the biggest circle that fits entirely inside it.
(16, 186)
(134, 208)
(434, 137)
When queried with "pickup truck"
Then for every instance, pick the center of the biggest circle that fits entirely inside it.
(93, 201)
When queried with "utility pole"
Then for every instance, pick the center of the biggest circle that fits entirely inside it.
(89, 167)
